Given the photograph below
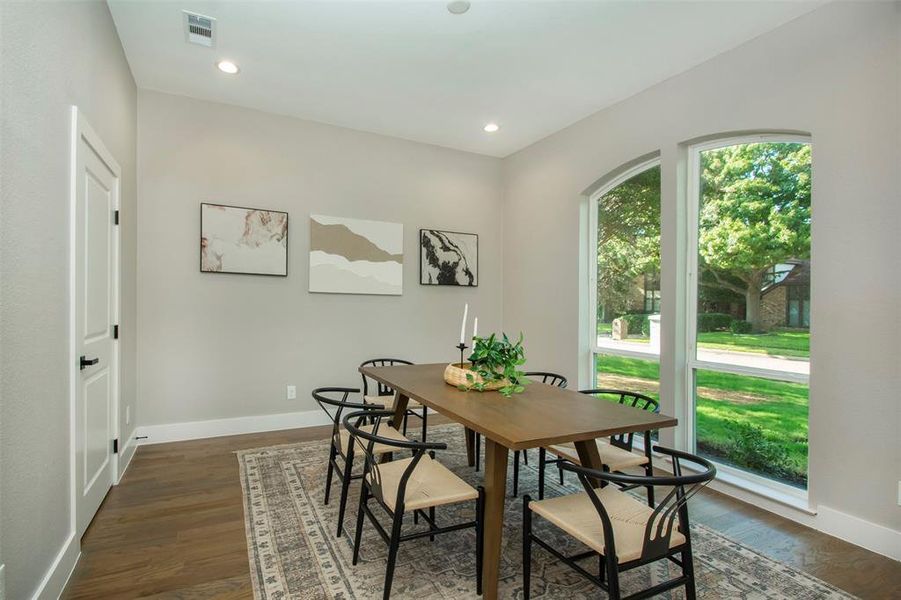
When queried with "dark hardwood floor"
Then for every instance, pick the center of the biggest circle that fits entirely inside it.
(174, 528)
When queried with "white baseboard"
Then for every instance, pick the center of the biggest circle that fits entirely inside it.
(54, 581)
(126, 454)
(878, 538)
(196, 430)
(854, 530)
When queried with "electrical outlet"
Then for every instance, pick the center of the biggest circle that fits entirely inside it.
(292, 392)
(128, 415)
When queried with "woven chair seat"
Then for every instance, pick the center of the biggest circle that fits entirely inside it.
(388, 402)
(430, 484)
(576, 515)
(385, 430)
(613, 457)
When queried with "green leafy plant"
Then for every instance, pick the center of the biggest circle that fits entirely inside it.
(750, 447)
(740, 326)
(497, 360)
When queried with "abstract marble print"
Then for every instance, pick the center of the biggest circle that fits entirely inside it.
(354, 256)
(448, 258)
(248, 241)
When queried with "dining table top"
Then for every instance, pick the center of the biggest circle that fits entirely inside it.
(541, 415)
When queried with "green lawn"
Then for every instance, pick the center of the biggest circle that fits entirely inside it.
(727, 406)
(780, 342)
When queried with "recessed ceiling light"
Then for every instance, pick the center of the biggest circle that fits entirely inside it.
(458, 7)
(491, 127)
(227, 66)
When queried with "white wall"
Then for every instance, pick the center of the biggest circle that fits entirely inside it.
(215, 346)
(53, 55)
(832, 73)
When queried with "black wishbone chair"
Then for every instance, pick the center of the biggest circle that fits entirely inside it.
(411, 484)
(616, 454)
(385, 396)
(341, 441)
(543, 377)
(620, 530)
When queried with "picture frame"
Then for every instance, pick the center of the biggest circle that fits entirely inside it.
(240, 240)
(448, 258)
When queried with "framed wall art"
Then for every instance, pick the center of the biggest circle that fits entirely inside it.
(246, 241)
(355, 256)
(448, 258)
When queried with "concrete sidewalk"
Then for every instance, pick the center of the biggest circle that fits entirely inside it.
(798, 366)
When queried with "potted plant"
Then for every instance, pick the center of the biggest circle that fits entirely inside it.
(493, 365)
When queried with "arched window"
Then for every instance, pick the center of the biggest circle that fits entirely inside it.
(624, 265)
(748, 327)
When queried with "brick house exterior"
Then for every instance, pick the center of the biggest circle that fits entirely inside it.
(786, 303)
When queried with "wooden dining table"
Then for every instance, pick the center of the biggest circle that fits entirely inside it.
(542, 415)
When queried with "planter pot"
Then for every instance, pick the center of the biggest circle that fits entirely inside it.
(456, 376)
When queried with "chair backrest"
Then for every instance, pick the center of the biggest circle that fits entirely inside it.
(548, 378)
(366, 440)
(327, 399)
(380, 388)
(660, 525)
(634, 399)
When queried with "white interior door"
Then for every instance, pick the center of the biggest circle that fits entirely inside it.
(96, 190)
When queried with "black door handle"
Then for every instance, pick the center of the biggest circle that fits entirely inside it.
(87, 362)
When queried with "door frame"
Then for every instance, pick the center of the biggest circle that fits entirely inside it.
(82, 130)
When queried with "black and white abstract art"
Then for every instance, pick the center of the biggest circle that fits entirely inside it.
(448, 258)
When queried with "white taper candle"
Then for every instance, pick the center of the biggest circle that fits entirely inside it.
(475, 328)
(463, 326)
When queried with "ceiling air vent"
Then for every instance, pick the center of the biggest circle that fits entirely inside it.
(199, 29)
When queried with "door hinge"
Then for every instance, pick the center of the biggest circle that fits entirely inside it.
(115, 332)
(115, 217)
(116, 446)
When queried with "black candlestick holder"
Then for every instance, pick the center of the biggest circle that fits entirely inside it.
(462, 347)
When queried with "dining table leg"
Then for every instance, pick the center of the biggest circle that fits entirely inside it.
(495, 496)
(589, 455)
(470, 437)
(400, 408)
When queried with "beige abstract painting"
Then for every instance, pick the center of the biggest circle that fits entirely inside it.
(246, 241)
(356, 256)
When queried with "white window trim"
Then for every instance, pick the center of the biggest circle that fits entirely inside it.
(736, 477)
(593, 271)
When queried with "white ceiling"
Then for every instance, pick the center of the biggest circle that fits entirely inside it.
(415, 71)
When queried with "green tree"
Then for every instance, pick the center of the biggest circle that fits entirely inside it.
(755, 213)
(628, 239)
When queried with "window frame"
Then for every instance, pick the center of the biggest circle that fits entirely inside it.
(593, 199)
(688, 436)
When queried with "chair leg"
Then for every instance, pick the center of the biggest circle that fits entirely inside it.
(559, 470)
(405, 424)
(393, 544)
(525, 457)
(480, 537)
(345, 486)
(613, 580)
(688, 569)
(515, 473)
(478, 451)
(542, 458)
(364, 497)
(526, 547)
(649, 471)
(432, 524)
(425, 422)
(328, 473)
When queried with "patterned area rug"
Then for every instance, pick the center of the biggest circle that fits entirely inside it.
(294, 553)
